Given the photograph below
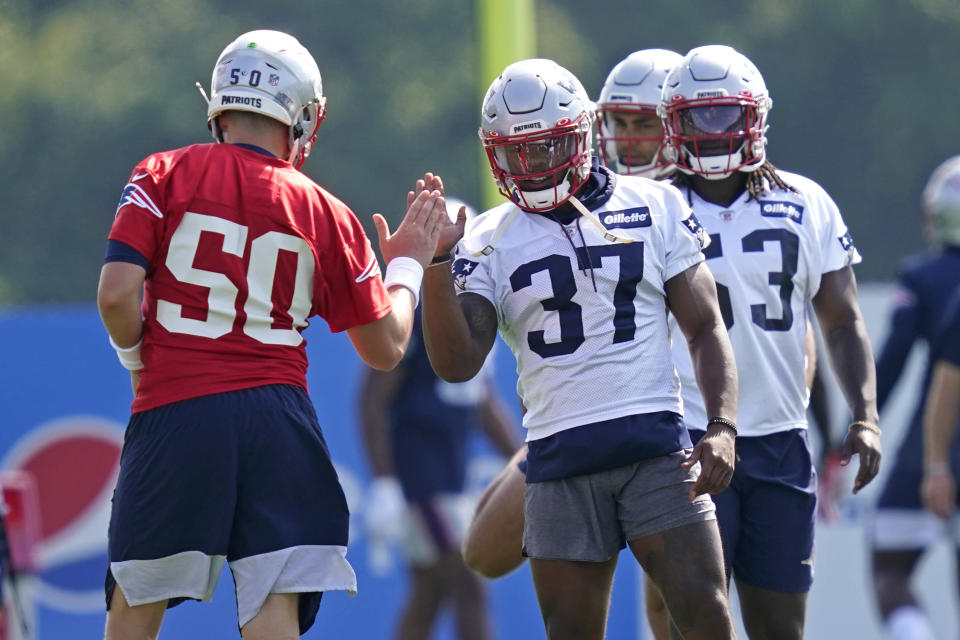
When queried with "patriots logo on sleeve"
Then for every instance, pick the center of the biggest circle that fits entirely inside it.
(135, 195)
(691, 224)
(846, 241)
(461, 269)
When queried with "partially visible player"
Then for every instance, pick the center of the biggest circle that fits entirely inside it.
(416, 431)
(778, 242)
(577, 271)
(901, 529)
(629, 131)
(941, 419)
(233, 250)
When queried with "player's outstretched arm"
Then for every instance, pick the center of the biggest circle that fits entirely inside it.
(458, 331)
(845, 336)
(939, 488)
(493, 544)
(692, 296)
(382, 343)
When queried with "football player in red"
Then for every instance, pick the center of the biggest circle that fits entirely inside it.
(218, 256)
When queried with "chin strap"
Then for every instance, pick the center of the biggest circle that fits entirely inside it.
(586, 213)
(501, 228)
(591, 216)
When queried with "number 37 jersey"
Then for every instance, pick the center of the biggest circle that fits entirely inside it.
(767, 256)
(583, 312)
(242, 250)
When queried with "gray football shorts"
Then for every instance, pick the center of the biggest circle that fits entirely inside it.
(590, 517)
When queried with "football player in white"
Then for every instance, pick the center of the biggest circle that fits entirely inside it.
(629, 130)
(578, 270)
(777, 242)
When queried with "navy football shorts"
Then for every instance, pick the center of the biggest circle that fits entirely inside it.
(766, 515)
(242, 477)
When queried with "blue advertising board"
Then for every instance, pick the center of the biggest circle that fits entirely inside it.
(65, 402)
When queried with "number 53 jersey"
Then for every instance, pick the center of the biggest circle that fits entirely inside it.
(582, 305)
(767, 256)
(241, 249)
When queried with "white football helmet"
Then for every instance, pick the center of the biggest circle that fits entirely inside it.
(941, 203)
(634, 86)
(537, 130)
(714, 105)
(270, 73)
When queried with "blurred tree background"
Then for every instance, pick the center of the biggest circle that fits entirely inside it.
(865, 95)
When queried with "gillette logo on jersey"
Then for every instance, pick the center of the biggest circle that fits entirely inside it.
(779, 209)
(628, 218)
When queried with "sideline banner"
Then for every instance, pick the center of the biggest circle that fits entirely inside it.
(66, 401)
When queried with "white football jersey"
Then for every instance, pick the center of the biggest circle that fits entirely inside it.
(588, 326)
(767, 256)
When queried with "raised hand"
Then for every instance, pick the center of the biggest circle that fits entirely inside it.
(450, 231)
(417, 235)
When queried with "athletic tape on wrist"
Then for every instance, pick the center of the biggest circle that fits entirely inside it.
(129, 356)
(407, 273)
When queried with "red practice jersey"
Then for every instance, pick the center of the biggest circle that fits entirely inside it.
(242, 250)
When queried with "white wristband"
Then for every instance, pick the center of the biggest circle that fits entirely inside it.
(407, 273)
(129, 356)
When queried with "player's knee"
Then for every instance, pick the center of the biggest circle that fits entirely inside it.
(705, 606)
(482, 564)
(482, 560)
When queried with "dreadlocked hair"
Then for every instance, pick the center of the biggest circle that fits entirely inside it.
(757, 182)
(766, 174)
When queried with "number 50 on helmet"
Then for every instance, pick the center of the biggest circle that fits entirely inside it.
(272, 74)
(537, 129)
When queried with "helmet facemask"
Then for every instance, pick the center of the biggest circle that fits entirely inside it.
(714, 137)
(629, 154)
(540, 171)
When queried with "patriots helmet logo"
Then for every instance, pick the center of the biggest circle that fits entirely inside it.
(461, 269)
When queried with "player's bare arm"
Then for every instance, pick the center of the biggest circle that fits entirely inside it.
(118, 298)
(458, 331)
(845, 336)
(382, 343)
(939, 489)
(692, 296)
